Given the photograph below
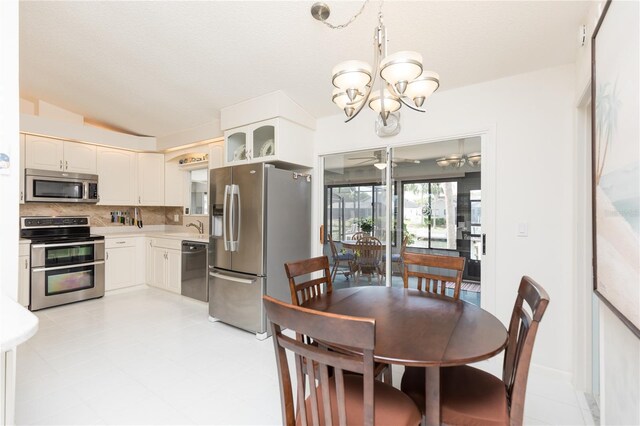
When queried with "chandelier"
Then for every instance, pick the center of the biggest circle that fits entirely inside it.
(402, 80)
(457, 160)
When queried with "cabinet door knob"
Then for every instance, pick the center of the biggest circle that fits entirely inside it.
(26, 264)
(107, 253)
(66, 165)
(61, 165)
(21, 195)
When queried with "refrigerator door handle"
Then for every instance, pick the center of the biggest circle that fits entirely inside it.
(225, 217)
(239, 213)
(235, 213)
(230, 278)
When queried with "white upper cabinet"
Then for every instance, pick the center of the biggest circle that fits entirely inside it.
(79, 157)
(175, 183)
(44, 153)
(21, 172)
(150, 179)
(276, 139)
(117, 177)
(54, 154)
(216, 155)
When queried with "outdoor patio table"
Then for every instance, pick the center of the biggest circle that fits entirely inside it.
(420, 329)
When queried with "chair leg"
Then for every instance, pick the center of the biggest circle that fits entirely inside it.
(335, 270)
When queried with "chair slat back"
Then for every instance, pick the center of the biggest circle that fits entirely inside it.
(368, 252)
(434, 282)
(522, 333)
(331, 329)
(334, 250)
(302, 291)
(359, 235)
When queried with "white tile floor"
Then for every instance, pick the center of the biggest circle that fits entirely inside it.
(145, 356)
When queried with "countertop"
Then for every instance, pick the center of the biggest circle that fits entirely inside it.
(183, 236)
(17, 326)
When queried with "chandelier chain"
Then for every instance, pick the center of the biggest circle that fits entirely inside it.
(353, 18)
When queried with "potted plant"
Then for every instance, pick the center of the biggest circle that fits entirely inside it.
(366, 224)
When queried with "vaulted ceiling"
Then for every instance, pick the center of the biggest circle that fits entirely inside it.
(155, 67)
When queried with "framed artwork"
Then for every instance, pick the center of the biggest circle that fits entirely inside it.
(615, 109)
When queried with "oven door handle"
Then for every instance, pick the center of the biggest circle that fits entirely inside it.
(79, 243)
(55, 268)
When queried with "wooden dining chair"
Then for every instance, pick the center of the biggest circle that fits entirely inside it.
(359, 235)
(415, 264)
(339, 259)
(471, 396)
(368, 258)
(303, 291)
(336, 398)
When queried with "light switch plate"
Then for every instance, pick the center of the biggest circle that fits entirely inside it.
(176, 217)
(523, 229)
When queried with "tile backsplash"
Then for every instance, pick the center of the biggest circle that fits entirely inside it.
(101, 215)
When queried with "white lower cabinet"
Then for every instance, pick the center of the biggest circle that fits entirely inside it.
(123, 262)
(24, 268)
(166, 264)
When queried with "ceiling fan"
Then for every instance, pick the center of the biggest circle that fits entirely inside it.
(378, 162)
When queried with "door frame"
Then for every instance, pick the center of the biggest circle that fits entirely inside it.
(489, 198)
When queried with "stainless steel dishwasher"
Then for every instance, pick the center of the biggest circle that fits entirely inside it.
(195, 271)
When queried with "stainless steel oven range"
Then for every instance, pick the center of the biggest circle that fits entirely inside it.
(67, 262)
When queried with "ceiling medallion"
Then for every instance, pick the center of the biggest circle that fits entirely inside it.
(403, 81)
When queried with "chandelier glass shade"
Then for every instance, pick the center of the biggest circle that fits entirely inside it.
(422, 87)
(474, 159)
(401, 79)
(354, 75)
(385, 104)
(399, 68)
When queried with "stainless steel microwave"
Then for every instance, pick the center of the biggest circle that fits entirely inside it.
(60, 187)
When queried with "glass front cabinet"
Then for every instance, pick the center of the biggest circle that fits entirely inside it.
(276, 139)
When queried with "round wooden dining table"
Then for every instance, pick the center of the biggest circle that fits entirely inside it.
(420, 329)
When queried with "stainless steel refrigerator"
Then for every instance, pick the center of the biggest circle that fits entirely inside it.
(260, 219)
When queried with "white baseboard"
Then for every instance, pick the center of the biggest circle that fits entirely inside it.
(125, 289)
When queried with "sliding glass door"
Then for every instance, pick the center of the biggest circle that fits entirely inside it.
(355, 200)
(434, 207)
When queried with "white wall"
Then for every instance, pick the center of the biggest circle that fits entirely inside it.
(200, 133)
(9, 144)
(619, 371)
(533, 116)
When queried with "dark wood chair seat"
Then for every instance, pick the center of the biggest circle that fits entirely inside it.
(390, 406)
(468, 396)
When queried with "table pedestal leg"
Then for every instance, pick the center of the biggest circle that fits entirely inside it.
(432, 395)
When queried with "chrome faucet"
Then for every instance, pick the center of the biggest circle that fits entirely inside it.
(199, 226)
